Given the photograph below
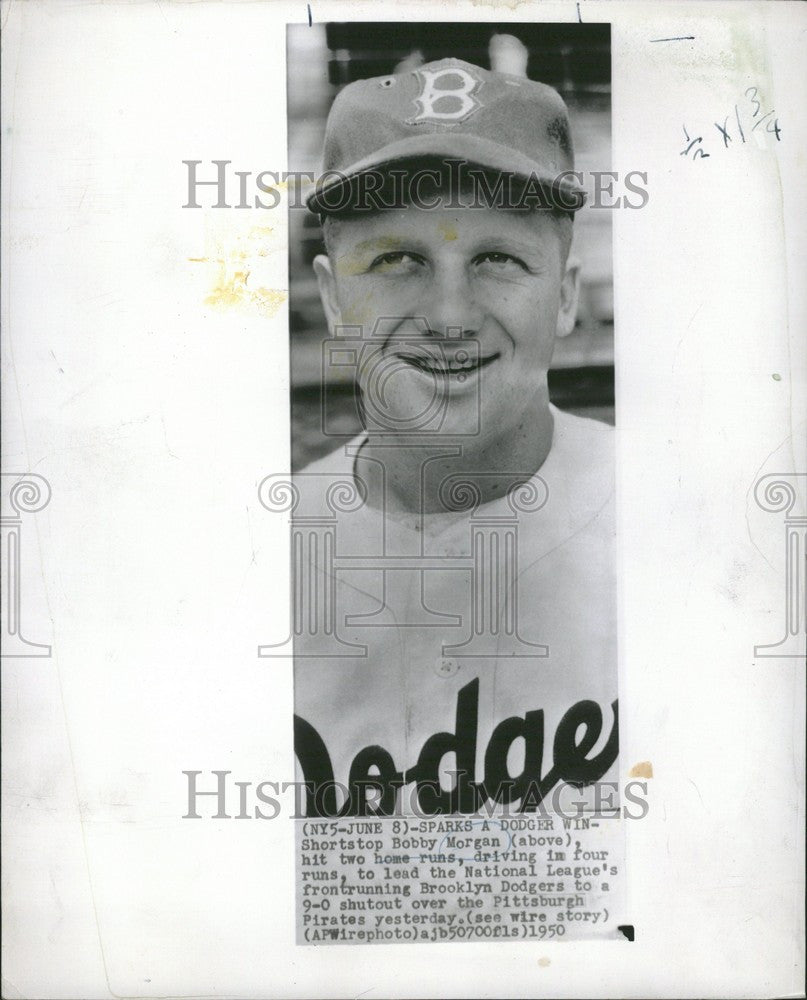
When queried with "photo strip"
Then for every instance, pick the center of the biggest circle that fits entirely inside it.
(452, 498)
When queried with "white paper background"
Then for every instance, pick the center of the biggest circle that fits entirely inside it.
(155, 573)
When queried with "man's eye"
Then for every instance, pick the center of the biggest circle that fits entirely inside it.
(396, 261)
(500, 261)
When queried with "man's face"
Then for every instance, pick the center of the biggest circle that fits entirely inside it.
(458, 309)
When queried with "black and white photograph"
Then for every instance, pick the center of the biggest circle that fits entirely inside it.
(454, 561)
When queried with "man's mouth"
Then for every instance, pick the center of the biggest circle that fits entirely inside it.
(460, 366)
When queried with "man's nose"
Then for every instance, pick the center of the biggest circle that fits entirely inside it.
(450, 305)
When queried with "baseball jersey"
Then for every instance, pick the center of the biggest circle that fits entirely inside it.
(471, 655)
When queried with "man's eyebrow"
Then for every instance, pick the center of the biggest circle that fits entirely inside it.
(378, 243)
(496, 241)
(512, 244)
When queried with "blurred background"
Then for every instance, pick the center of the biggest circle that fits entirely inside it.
(575, 59)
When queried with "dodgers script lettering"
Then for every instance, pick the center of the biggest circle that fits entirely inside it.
(373, 767)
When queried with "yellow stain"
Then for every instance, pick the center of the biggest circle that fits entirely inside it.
(233, 260)
(229, 291)
(644, 769)
(269, 300)
(361, 312)
(349, 265)
(380, 243)
(355, 262)
(235, 291)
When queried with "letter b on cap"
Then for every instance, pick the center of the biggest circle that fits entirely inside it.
(446, 103)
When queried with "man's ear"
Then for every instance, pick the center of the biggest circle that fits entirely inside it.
(327, 290)
(569, 297)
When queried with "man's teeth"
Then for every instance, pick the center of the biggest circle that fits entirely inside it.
(443, 367)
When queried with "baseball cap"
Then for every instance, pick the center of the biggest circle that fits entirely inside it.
(449, 109)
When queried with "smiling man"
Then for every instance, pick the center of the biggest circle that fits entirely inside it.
(464, 313)
(455, 624)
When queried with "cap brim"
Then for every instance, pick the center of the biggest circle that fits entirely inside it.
(473, 150)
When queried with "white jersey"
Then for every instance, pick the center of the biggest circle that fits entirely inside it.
(482, 642)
